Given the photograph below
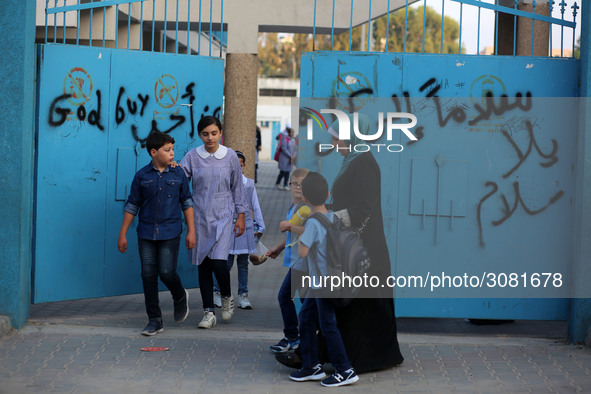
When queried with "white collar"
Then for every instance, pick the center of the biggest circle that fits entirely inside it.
(244, 179)
(219, 154)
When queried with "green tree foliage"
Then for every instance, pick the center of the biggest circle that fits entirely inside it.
(270, 55)
(414, 35)
(340, 42)
(281, 57)
(578, 48)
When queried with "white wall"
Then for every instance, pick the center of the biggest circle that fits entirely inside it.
(273, 109)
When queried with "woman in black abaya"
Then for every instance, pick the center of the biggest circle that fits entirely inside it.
(367, 325)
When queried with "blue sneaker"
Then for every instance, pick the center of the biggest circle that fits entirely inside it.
(304, 374)
(153, 328)
(340, 378)
(285, 345)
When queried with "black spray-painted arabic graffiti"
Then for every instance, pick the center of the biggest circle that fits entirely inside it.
(490, 107)
(549, 159)
(458, 113)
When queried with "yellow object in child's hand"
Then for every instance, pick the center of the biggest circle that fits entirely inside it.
(299, 218)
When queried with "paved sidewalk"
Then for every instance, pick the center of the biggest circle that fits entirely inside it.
(93, 346)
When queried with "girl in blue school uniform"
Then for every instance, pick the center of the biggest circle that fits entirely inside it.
(218, 192)
(244, 245)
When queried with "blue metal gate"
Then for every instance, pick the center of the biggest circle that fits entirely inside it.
(466, 194)
(96, 106)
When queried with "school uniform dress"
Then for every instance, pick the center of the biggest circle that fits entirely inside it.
(284, 162)
(245, 244)
(218, 192)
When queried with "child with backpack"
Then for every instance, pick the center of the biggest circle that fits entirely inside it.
(313, 246)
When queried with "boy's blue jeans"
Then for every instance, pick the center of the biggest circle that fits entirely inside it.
(288, 310)
(159, 259)
(325, 311)
(242, 266)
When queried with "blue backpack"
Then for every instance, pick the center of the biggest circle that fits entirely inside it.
(345, 256)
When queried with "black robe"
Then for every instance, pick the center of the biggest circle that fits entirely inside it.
(367, 325)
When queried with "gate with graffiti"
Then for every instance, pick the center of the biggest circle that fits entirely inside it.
(96, 106)
(478, 210)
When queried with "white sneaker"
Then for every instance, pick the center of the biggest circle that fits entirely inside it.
(278, 187)
(286, 188)
(217, 299)
(227, 308)
(209, 320)
(243, 302)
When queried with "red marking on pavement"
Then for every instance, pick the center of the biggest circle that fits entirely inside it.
(154, 349)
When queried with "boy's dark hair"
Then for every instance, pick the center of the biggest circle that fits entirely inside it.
(207, 121)
(241, 155)
(157, 140)
(315, 188)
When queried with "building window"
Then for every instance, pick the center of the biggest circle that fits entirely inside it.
(278, 92)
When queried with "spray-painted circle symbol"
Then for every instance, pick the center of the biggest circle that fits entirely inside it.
(484, 85)
(166, 91)
(352, 84)
(78, 83)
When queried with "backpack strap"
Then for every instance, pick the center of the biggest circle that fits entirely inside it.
(325, 222)
(298, 206)
(322, 219)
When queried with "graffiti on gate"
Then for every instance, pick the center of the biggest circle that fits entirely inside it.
(58, 114)
(499, 113)
(447, 109)
(548, 160)
(72, 105)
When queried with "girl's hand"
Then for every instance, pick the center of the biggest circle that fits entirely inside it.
(239, 226)
(174, 164)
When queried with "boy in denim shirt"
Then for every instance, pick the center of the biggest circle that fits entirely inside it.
(312, 244)
(159, 193)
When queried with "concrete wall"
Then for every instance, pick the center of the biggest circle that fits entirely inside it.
(17, 28)
(274, 109)
(580, 311)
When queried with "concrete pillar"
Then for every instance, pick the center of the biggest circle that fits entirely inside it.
(579, 324)
(17, 83)
(523, 31)
(505, 29)
(541, 31)
(240, 107)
